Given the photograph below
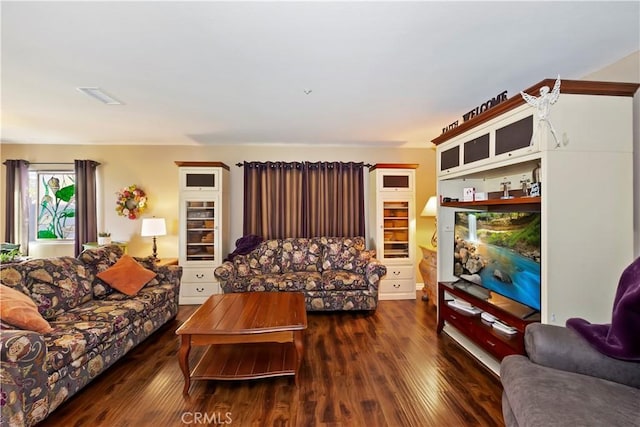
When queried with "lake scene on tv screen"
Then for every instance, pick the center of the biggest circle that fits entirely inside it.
(500, 252)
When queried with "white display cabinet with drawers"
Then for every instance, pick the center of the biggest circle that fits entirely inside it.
(204, 225)
(392, 225)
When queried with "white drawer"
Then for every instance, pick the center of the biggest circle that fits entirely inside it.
(397, 289)
(397, 286)
(198, 275)
(400, 272)
(198, 289)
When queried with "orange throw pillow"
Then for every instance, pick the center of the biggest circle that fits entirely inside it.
(18, 310)
(127, 276)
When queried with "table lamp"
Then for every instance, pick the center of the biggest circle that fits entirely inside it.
(153, 227)
(431, 210)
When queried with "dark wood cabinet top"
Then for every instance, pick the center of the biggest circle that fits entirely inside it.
(575, 87)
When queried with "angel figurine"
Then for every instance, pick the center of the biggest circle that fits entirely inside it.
(542, 103)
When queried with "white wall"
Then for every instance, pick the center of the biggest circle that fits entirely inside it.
(628, 70)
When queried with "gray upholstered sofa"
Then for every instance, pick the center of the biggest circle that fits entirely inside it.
(565, 382)
(334, 273)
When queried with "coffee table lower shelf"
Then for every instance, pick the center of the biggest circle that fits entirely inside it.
(246, 361)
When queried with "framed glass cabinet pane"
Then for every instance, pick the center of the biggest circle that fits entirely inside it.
(450, 158)
(476, 149)
(514, 136)
(201, 180)
(395, 181)
(396, 229)
(200, 230)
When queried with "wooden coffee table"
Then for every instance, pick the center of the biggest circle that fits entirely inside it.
(250, 335)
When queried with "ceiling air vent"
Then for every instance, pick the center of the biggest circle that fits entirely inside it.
(100, 95)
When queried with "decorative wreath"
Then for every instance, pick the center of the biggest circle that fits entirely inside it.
(131, 202)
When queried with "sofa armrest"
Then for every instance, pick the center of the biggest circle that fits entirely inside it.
(226, 274)
(165, 273)
(169, 274)
(374, 271)
(563, 348)
(24, 377)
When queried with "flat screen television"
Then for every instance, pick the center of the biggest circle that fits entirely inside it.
(500, 251)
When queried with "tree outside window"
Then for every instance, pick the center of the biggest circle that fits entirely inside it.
(53, 199)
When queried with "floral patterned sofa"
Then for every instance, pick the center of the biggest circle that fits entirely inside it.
(334, 273)
(93, 326)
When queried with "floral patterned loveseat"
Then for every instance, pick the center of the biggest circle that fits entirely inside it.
(334, 273)
(93, 326)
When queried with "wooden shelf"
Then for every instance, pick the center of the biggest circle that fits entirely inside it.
(491, 340)
(494, 202)
(246, 361)
(201, 164)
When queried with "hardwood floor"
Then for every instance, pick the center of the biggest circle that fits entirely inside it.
(385, 369)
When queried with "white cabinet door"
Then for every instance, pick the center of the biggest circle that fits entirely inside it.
(199, 179)
(199, 233)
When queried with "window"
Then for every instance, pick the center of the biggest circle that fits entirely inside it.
(52, 205)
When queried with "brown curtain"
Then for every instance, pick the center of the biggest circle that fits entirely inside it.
(303, 199)
(334, 199)
(17, 204)
(273, 199)
(86, 219)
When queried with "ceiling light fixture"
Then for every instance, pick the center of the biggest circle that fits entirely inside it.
(100, 95)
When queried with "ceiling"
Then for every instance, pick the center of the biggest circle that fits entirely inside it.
(334, 73)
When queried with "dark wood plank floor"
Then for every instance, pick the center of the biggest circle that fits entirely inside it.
(385, 369)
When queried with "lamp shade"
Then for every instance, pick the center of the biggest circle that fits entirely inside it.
(431, 208)
(153, 227)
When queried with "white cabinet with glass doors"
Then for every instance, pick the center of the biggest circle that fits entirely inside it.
(204, 225)
(392, 225)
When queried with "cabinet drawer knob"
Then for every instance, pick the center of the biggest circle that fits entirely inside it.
(491, 343)
(199, 289)
(453, 317)
(395, 285)
(397, 273)
(200, 275)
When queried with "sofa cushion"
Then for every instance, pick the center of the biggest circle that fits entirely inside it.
(343, 280)
(362, 260)
(97, 260)
(284, 282)
(342, 300)
(14, 276)
(301, 254)
(260, 283)
(70, 341)
(541, 396)
(154, 294)
(264, 259)
(117, 313)
(302, 281)
(57, 285)
(19, 310)
(344, 254)
(126, 275)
